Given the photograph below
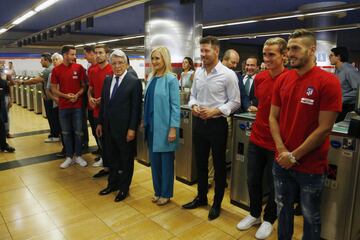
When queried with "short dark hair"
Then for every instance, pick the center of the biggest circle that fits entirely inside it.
(67, 48)
(341, 52)
(303, 33)
(104, 46)
(47, 56)
(210, 40)
(253, 57)
(88, 48)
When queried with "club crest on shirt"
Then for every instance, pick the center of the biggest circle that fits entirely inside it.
(75, 73)
(309, 91)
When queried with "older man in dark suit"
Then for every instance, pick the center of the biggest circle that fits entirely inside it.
(120, 113)
(248, 99)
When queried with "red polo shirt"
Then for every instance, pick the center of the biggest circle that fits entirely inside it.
(300, 99)
(97, 76)
(260, 133)
(69, 79)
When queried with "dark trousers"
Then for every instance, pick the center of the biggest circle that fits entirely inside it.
(121, 161)
(345, 109)
(210, 134)
(93, 124)
(2, 133)
(260, 161)
(52, 118)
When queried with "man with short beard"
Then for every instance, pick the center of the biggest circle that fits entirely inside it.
(305, 103)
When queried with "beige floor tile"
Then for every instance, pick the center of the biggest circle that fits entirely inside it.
(227, 222)
(2, 221)
(27, 227)
(44, 188)
(56, 199)
(20, 210)
(204, 231)
(113, 236)
(177, 220)
(4, 233)
(69, 214)
(148, 208)
(136, 192)
(92, 228)
(145, 229)
(52, 235)
(141, 175)
(15, 196)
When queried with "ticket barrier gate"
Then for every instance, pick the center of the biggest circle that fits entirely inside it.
(239, 193)
(37, 98)
(29, 89)
(340, 206)
(142, 153)
(185, 162)
(18, 92)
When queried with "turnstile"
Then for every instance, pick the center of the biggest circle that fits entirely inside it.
(17, 94)
(12, 93)
(340, 206)
(185, 164)
(37, 98)
(23, 100)
(29, 89)
(239, 194)
(142, 153)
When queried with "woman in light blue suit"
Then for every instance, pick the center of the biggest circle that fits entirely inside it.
(162, 122)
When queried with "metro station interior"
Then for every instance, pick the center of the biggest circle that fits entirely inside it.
(40, 200)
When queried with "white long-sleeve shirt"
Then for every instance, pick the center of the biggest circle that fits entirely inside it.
(218, 89)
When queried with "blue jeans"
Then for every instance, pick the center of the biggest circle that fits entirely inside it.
(71, 127)
(287, 185)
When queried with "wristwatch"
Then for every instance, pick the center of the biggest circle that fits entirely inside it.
(292, 159)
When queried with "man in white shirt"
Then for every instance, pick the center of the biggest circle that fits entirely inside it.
(214, 96)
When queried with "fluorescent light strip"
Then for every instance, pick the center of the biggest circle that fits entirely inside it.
(111, 40)
(107, 41)
(24, 17)
(127, 38)
(2, 30)
(327, 12)
(337, 29)
(45, 5)
(284, 17)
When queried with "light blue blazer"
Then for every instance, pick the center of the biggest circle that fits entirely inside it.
(166, 112)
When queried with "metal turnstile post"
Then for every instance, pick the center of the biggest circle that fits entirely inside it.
(29, 89)
(37, 98)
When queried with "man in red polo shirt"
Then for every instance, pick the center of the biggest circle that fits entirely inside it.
(97, 76)
(67, 83)
(305, 104)
(261, 149)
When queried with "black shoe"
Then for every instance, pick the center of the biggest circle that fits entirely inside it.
(9, 135)
(96, 152)
(97, 159)
(8, 149)
(101, 173)
(106, 191)
(121, 196)
(214, 213)
(195, 203)
(209, 185)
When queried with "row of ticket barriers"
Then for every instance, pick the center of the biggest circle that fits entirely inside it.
(28, 96)
(340, 207)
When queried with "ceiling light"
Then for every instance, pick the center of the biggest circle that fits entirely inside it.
(337, 29)
(241, 22)
(327, 12)
(80, 45)
(284, 17)
(127, 38)
(111, 40)
(2, 30)
(24, 17)
(45, 5)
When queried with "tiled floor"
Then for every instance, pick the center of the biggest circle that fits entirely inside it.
(42, 201)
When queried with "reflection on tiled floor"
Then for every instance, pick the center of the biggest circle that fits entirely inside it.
(42, 201)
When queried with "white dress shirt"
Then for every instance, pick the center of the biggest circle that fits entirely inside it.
(251, 79)
(218, 89)
(113, 81)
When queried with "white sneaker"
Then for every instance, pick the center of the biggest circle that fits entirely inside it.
(248, 222)
(264, 231)
(68, 161)
(52, 139)
(79, 160)
(98, 163)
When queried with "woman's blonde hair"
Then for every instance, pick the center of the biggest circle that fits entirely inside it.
(165, 54)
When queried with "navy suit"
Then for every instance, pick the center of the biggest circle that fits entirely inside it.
(246, 99)
(3, 115)
(117, 115)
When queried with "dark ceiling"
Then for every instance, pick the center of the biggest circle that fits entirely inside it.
(130, 21)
